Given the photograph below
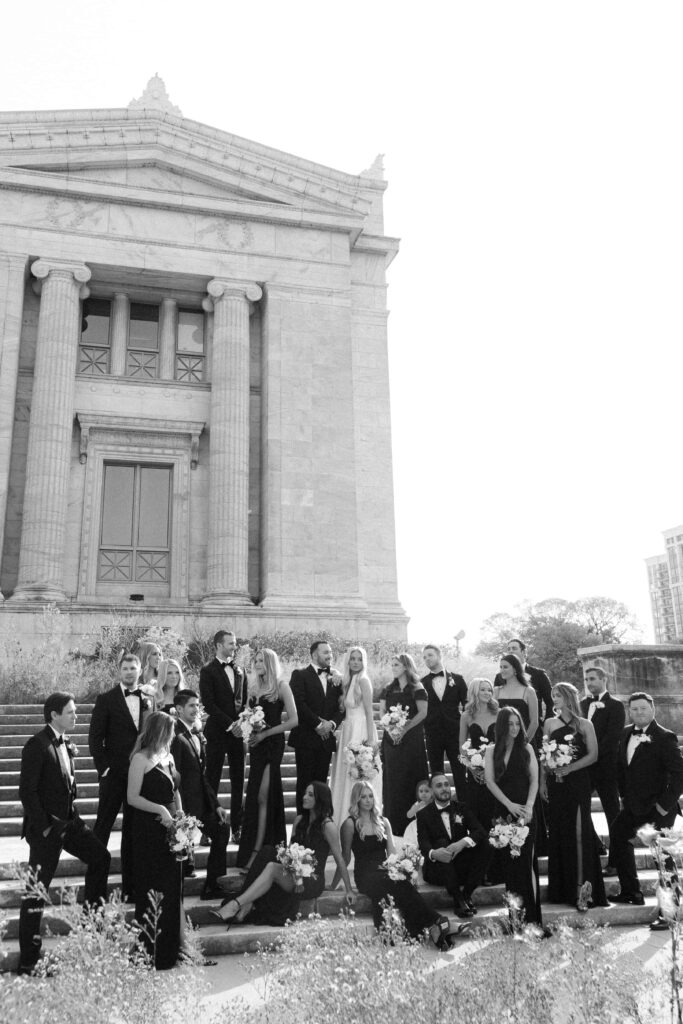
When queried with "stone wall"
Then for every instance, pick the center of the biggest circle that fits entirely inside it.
(655, 668)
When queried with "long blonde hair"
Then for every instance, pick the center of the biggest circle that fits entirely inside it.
(156, 736)
(571, 696)
(354, 680)
(268, 685)
(474, 702)
(143, 649)
(354, 810)
(161, 678)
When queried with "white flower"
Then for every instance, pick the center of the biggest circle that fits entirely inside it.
(647, 834)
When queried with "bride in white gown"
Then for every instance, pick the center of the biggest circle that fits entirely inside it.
(358, 725)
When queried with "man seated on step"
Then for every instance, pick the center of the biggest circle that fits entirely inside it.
(650, 776)
(454, 845)
(47, 789)
(189, 753)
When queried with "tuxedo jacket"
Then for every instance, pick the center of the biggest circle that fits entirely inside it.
(313, 705)
(608, 723)
(46, 792)
(541, 684)
(432, 834)
(655, 774)
(218, 698)
(445, 712)
(113, 733)
(197, 795)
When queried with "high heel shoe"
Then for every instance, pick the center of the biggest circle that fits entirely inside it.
(216, 914)
(439, 933)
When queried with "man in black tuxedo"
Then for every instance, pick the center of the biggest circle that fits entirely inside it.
(115, 724)
(650, 776)
(446, 699)
(538, 679)
(189, 753)
(47, 788)
(223, 690)
(454, 845)
(608, 717)
(317, 693)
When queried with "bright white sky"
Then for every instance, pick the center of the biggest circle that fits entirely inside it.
(535, 164)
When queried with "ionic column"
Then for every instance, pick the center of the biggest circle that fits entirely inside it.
(168, 327)
(120, 316)
(41, 556)
(12, 274)
(228, 545)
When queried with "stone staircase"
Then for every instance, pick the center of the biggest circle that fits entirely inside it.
(19, 722)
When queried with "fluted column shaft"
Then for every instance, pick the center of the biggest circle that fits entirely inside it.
(41, 557)
(168, 326)
(228, 544)
(120, 315)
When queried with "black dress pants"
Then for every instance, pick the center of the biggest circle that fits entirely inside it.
(217, 750)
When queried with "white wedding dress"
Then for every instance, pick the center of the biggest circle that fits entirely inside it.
(353, 730)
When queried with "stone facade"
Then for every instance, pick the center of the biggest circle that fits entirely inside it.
(656, 669)
(233, 402)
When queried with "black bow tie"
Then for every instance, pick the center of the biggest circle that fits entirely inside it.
(435, 674)
(134, 693)
(230, 664)
(59, 740)
(639, 732)
(445, 809)
(323, 671)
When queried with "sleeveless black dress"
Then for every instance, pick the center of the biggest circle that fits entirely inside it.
(155, 868)
(268, 753)
(369, 853)
(477, 795)
(277, 906)
(405, 763)
(520, 874)
(539, 812)
(571, 835)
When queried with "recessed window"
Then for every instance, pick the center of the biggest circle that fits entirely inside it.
(143, 341)
(95, 345)
(136, 523)
(189, 360)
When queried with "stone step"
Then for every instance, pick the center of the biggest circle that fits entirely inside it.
(36, 710)
(13, 809)
(19, 728)
(241, 939)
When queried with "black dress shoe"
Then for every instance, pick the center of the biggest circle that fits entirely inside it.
(635, 899)
(461, 908)
(212, 894)
(470, 905)
(659, 925)
(26, 969)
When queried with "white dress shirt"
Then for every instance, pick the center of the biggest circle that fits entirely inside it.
(591, 706)
(62, 754)
(133, 703)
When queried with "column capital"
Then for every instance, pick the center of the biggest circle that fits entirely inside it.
(43, 267)
(223, 287)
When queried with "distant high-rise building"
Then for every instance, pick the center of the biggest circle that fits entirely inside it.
(665, 579)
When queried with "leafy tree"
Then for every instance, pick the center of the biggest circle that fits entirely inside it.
(554, 629)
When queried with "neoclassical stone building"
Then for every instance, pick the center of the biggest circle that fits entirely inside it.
(194, 398)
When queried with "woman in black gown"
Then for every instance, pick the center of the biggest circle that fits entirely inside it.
(511, 773)
(367, 835)
(477, 724)
(263, 823)
(154, 798)
(268, 895)
(517, 692)
(404, 761)
(573, 846)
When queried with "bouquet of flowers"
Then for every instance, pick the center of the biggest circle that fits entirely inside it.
(394, 721)
(473, 758)
(554, 755)
(184, 833)
(404, 866)
(362, 761)
(251, 720)
(298, 861)
(506, 832)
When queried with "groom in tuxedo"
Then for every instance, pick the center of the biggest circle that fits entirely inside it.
(650, 776)
(454, 846)
(47, 788)
(608, 717)
(317, 693)
(199, 799)
(115, 724)
(223, 690)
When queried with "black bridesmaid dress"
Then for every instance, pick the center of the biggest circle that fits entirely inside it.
(539, 810)
(571, 834)
(477, 796)
(369, 853)
(155, 868)
(520, 874)
(405, 763)
(277, 906)
(268, 753)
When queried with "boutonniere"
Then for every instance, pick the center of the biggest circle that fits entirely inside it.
(145, 704)
(451, 682)
(457, 818)
(642, 738)
(598, 704)
(71, 748)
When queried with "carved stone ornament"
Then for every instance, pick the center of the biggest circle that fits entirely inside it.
(155, 97)
(132, 428)
(376, 169)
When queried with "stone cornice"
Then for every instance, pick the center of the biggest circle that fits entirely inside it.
(140, 426)
(128, 195)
